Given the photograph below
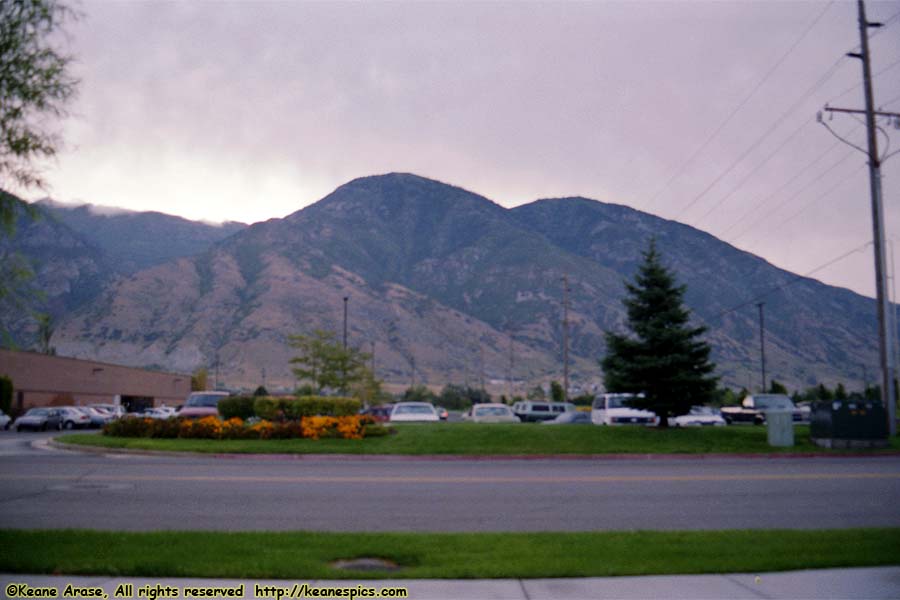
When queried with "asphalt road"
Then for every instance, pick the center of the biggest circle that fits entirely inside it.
(55, 489)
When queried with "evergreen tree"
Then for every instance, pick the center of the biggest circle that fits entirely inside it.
(666, 361)
(777, 388)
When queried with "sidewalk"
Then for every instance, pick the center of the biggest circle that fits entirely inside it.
(868, 583)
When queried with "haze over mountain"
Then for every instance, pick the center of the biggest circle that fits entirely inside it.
(447, 286)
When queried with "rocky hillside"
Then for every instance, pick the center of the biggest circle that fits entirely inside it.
(75, 252)
(449, 286)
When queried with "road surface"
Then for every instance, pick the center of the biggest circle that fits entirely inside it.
(54, 489)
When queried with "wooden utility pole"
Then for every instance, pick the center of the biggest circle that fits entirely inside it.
(885, 338)
(565, 338)
(762, 344)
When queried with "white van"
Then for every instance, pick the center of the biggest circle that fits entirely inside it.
(529, 411)
(613, 409)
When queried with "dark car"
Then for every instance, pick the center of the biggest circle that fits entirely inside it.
(379, 414)
(39, 419)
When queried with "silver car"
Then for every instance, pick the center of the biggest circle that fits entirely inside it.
(39, 419)
(73, 418)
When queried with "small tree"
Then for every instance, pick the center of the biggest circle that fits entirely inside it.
(35, 83)
(418, 393)
(777, 388)
(260, 391)
(199, 380)
(325, 363)
(665, 360)
(557, 394)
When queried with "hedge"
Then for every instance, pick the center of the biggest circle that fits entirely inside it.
(278, 409)
(237, 406)
(347, 427)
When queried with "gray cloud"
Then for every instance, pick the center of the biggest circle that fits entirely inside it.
(249, 110)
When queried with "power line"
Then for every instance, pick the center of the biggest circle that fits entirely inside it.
(740, 105)
(752, 172)
(858, 86)
(821, 81)
(758, 203)
(795, 279)
(843, 180)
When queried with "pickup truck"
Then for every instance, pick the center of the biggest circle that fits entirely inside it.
(753, 409)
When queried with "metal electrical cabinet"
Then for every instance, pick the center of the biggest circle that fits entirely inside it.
(849, 424)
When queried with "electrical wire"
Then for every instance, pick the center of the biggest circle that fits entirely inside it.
(834, 188)
(759, 202)
(784, 203)
(752, 172)
(809, 92)
(795, 279)
(680, 170)
(858, 86)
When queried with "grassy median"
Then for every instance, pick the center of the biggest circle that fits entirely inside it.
(306, 555)
(494, 439)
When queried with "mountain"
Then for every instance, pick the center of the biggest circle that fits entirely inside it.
(76, 251)
(447, 286)
(813, 332)
(138, 240)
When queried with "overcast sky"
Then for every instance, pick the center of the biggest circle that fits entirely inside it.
(703, 112)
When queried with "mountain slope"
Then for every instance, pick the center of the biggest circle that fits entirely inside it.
(813, 331)
(138, 240)
(444, 281)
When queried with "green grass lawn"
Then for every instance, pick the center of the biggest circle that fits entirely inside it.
(306, 555)
(494, 439)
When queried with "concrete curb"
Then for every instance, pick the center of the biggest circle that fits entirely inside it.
(457, 457)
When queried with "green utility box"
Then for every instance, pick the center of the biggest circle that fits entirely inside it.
(849, 424)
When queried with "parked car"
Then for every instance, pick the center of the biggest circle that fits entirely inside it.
(578, 417)
(98, 417)
(413, 411)
(5, 420)
(380, 414)
(491, 413)
(698, 416)
(72, 418)
(753, 409)
(532, 411)
(39, 418)
(201, 404)
(114, 410)
(157, 413)
(442, 413)
(613, 409)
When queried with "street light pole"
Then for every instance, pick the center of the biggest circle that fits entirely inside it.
(762, 344)
(346, 298)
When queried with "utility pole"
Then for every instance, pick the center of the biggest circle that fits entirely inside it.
(346, 298)
(373, 358)
(481, 359)
(885, 339)
(565, 338)
(762, 344)
(509, 372)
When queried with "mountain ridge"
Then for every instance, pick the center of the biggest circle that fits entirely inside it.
(423, 261)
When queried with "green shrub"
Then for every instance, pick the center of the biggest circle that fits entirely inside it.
(237, 406)
(164, 428)
(324, 406)
(6, 393)
(129, 427)
(266, 407)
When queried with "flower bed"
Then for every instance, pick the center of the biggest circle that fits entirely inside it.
(353, 427)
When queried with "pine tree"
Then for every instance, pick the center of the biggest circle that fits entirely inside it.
(665, 361)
